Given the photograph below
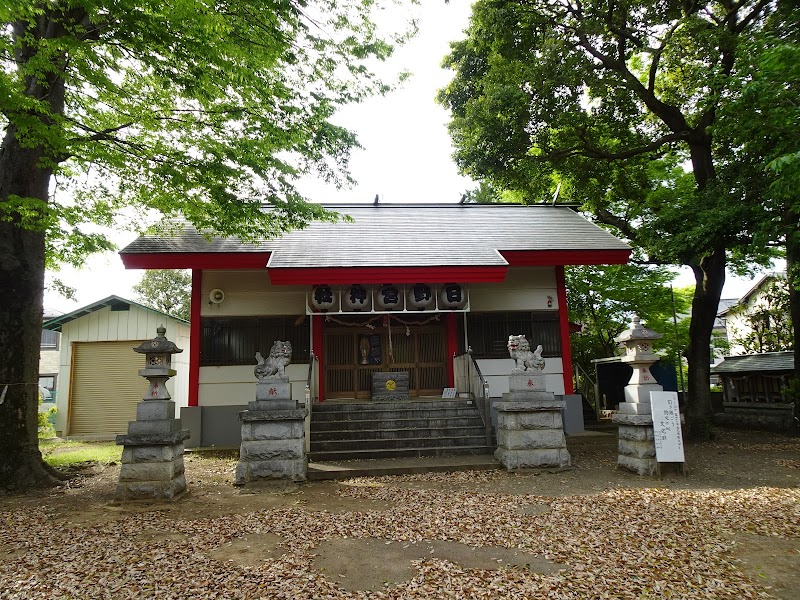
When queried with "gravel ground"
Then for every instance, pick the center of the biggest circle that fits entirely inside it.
(730, 529)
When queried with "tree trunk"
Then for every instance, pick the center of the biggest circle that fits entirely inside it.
(25, 173)
(791, 219)
(22, 264)
(709, 280)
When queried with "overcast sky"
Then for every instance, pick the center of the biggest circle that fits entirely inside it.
(406, 155)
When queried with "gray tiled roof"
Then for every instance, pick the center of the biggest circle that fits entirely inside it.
(745, 299)
(404, 235)
(56, 323)
(722, 309)
(749, 363)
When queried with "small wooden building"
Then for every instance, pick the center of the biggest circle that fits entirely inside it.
(99, 383)
(752, 390)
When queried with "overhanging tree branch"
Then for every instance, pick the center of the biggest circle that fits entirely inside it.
(656, 54)
(624, 226)
(593, 152)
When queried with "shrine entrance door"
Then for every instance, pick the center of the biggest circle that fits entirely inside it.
(353, 352)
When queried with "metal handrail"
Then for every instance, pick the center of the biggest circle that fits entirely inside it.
(311, 359)
(591, 398)
(483, 399)
(309, 399)
(477, 368)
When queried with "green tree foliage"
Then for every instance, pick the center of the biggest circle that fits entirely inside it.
(768, 95)
(192, 109)
(621, 103)
(604, 299)
(767, 325)
(167, 290)
(484, 193)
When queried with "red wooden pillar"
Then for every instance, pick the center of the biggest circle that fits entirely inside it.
(194, 339)
(317, 347)
(451, 331)
(563, 317)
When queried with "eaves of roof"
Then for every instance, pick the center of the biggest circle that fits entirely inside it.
(399, 236)
(746, 297)
(773, 362)
(725, 304)
(115, 302)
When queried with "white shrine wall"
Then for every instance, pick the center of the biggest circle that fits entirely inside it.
(250, 293)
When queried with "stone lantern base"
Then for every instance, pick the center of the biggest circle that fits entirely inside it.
(637, 447)
(152, 457)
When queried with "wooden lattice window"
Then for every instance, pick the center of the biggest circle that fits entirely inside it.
(487, 332)
(235, 340)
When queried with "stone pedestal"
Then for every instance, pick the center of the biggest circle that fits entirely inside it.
(637, 447)
(530, 432)
(152, 457)
(273, 436)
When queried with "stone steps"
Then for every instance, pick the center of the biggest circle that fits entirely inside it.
(379, 405)
(396, 429)
(398, 433)
(399, 443)
(394, 410)
(355, 425)
(396, 414)
(421, 452)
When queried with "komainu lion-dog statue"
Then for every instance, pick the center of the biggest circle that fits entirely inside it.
(524, 360)
(274, 367)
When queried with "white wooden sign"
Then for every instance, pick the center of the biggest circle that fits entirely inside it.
(667, 427)
(449, 393)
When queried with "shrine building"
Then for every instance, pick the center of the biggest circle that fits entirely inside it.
(404, 289)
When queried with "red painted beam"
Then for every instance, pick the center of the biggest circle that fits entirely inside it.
(194, 340)
(563, 318)
(196, 260)
(259, 260)
(397, 275)
(551, 258)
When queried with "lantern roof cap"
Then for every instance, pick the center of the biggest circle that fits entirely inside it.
(637, 331)
(159, 344)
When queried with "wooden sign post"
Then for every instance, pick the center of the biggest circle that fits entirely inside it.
(667, 432)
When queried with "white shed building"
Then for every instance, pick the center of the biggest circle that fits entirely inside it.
(99, 384)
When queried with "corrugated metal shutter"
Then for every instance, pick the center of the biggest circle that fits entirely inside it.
(105, 387)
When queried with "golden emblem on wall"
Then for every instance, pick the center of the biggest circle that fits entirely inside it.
(391, 385)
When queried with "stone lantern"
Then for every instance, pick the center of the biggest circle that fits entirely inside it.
(637, 450)
(152, 457)
(158, 364)
(638, 341)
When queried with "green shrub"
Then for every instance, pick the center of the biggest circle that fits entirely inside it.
(791, 391)
(46, 420)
